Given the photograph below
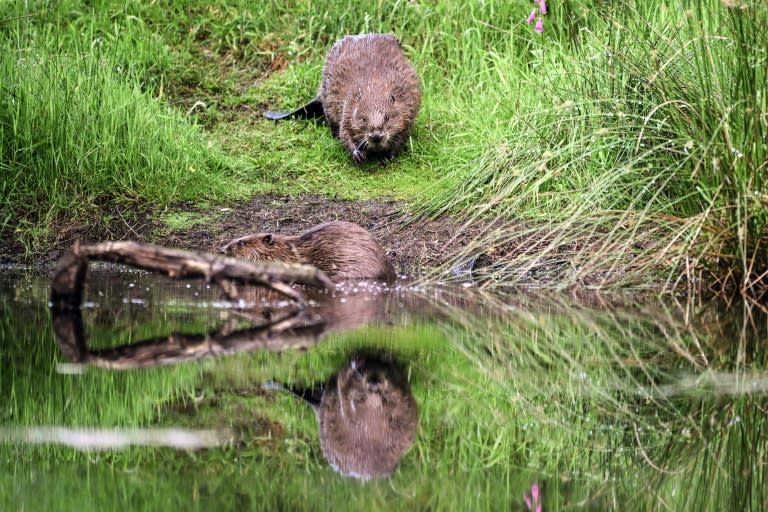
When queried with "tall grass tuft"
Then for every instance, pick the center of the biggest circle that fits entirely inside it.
(641, 152)
(78, 136)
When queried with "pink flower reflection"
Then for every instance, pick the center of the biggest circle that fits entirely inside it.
(533, 500)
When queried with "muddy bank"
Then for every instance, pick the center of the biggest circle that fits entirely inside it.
(412, 244)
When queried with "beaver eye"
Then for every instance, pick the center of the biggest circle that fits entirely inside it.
(392, 98)
(386, 117)
(268, 239)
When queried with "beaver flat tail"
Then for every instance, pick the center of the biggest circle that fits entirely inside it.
(312, 110)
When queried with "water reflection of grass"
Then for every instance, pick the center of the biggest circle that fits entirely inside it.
(276, 463)
(456, 460)
(586, 385)
(33, 393)
(597, 404)
(718, 462)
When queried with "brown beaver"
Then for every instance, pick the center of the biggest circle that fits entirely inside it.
(370, 95)
(342, 250)
(367, 416)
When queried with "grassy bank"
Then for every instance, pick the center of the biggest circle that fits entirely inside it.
(627, 142)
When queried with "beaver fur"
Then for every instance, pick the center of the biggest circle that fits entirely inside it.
(343, 250)
(369, 94)
(367, 416)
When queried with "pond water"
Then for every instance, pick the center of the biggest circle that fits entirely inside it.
(160, 394)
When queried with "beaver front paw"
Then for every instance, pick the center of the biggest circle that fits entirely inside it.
(359, 156)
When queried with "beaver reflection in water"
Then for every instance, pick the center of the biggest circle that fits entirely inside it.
(367, 417)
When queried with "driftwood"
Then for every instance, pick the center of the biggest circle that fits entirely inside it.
(225, 272)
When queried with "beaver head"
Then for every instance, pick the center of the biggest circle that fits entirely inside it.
(368, 418)
(379, 122)
(262, 247)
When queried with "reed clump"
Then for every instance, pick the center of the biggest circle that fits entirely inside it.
(641, 157)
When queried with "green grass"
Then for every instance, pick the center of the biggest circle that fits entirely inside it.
(651, 404)
(630, 138)
(78, 138)
(636, 135)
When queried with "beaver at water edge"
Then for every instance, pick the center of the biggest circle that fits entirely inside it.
(342, 250)
(369, 94)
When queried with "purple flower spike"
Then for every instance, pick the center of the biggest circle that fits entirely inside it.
(534, 491)
(539, 26)
(532, 16)
(543, 7)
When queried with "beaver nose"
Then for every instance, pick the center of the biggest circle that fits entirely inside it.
(376, 137)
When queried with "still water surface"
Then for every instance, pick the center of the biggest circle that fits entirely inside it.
(159, 394)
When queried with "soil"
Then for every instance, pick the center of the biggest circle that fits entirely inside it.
(414, 244)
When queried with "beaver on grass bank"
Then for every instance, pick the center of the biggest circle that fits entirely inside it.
(369, 94)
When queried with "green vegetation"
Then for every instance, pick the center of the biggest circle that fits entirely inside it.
(78, 137)
(668, 411)
(641, 148)
(618, 409)
(627, 142)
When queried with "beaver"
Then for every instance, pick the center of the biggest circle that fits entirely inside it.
(367, 416)
(369, 94)
(342, 250)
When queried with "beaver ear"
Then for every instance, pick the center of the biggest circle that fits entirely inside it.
(268, 239)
